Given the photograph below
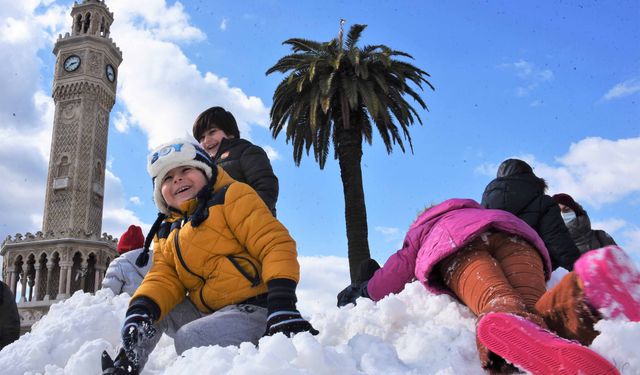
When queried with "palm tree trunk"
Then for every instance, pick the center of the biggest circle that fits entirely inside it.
(349, 148)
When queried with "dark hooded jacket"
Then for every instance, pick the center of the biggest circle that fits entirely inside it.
(519, 191)
(9, 316)
(586, 238)
(248, 163)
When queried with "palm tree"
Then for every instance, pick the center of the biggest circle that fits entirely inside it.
(332, 93)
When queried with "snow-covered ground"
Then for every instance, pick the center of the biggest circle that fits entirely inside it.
(411, 333)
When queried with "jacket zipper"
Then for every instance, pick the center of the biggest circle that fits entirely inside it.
(184, 265)
(255, 281)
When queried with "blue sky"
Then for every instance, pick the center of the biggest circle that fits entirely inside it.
(557, 84)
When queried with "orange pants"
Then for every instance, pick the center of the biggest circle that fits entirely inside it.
(499, 272)
(496, 270)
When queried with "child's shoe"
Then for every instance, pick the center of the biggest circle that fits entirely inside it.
(610, 281)
(537, 350)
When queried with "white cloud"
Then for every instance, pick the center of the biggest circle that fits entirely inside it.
(487, 169)
(632, 245)
(120, 122)
(623, 89)
(272, 153)
(223, 24)
(163, 95)
(22, 34)
(135, 200)
(596, 170)
(530, 74)
(21, 195)
(528, 70)
(26, 113)
(524, 91)
(390, 234)
(115, 217)
(155, 18)
(387, 231)
(610, 225)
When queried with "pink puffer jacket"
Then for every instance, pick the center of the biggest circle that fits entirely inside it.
(439, 232)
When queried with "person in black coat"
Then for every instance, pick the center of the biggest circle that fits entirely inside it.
(9, 316)
(579, 225)
(518, 190)
(217, 131)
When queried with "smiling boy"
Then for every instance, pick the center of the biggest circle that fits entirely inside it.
(223, 265)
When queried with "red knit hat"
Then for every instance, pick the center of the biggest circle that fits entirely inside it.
(131, 239)
(567, 200)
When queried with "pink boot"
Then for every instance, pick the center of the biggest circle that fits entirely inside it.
(537, 350)
(611, 282)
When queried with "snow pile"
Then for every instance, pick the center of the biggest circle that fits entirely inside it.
(411, 333)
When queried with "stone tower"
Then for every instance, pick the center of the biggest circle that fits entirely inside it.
(69, 253)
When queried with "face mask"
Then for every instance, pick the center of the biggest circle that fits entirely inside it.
(568, 216)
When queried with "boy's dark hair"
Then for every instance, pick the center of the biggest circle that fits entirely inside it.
(215, 117)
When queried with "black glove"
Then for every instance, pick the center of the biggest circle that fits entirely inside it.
(351, 293)
(283, 315)
(121, 366)
(138, 328)
(366, 269)
(289, 323)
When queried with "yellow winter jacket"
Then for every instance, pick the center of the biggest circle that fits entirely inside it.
(225, 260)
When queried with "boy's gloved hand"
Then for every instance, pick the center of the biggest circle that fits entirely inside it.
(289, 323)
(283, 315)
(121, 365)
(138, 328)
(351, 293)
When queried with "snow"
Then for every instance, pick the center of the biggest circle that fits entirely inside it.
(414, 332)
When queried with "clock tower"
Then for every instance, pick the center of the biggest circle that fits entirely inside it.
(70, 254)
(84, 91)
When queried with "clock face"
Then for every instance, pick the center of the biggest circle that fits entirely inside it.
(110, 72)
(71, 63)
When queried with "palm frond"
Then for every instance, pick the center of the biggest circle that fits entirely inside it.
(354, 35)
(303, 45)
(400, 53)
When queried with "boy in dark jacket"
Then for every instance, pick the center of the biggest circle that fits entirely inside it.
(518, 190)
(217, 131)
(9, 317)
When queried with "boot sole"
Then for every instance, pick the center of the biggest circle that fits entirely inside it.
(611, 283)
(536, 350)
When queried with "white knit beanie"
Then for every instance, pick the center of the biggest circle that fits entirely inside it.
(177, 153)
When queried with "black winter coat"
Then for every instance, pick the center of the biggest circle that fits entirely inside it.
(9, 317)
(586, 238)
(523, 195)
(248, 163)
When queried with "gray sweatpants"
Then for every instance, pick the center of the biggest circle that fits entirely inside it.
(190, 328)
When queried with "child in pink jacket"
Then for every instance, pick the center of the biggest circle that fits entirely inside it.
(498, 266)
